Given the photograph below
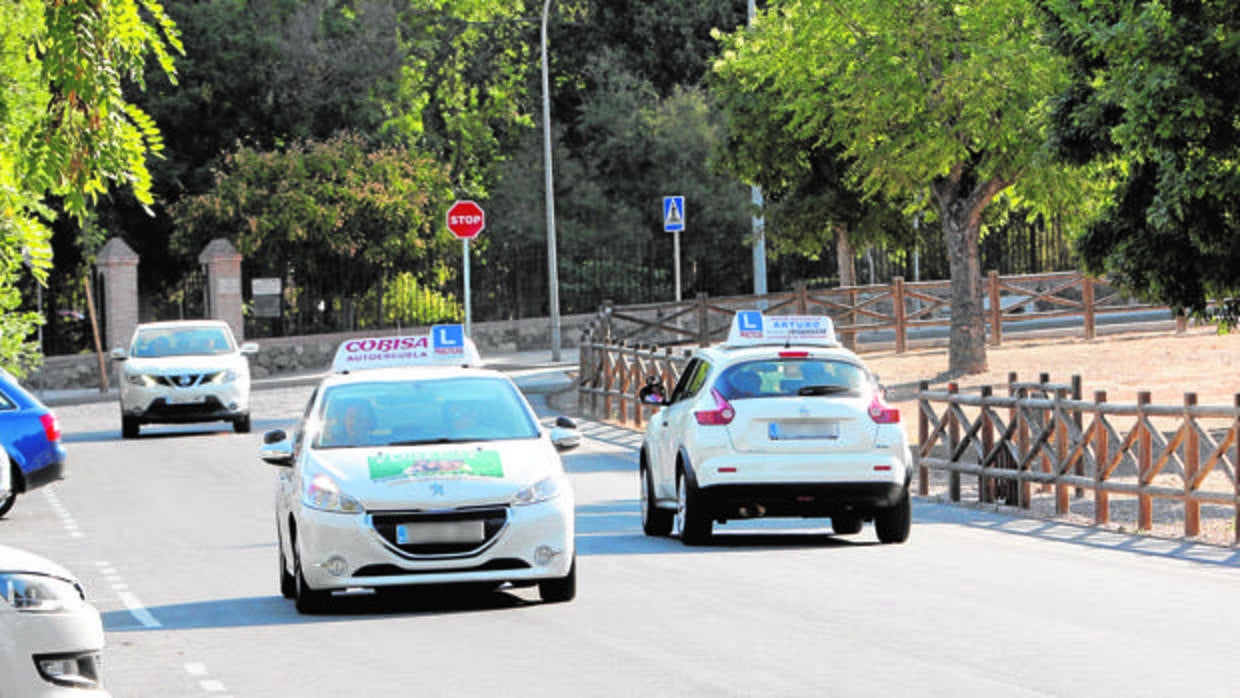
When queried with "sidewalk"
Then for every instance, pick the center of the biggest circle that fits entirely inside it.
(533, 371)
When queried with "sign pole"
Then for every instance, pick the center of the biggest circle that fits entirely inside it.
(465, 246)
(676, 255)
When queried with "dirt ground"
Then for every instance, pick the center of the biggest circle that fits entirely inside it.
(1166, 364)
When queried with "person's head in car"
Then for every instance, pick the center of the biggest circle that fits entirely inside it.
(463, 417)
(350, 423)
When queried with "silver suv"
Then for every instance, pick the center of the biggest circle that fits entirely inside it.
(184, 371)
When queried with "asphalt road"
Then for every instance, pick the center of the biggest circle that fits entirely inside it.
(174, 539)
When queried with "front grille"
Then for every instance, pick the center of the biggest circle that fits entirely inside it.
(161, 408)
(185, 380)
(500, 564)
(493, 521)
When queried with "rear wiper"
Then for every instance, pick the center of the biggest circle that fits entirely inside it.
(824, 390)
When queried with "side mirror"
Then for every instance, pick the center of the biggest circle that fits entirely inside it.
(249, 348)
(564, 435)
(653, 392)
(118, 354)
(277, 449)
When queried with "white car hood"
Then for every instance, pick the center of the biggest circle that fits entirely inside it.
(439, 476)
(15, 560)
(171, 365)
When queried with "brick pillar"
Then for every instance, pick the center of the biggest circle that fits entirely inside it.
(117, 263)
(223, 264)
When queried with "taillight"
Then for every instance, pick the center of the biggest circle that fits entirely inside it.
(793, 354)
(51, 427)
(722, 414)
(882, 413)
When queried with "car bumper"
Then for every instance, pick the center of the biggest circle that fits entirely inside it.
(535, 542)
(23, 636)
(168, 405)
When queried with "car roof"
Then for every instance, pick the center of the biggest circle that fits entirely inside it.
(410, 373)
(727, 355)
(183, 323)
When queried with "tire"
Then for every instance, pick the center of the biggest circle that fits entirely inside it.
(308, 601)
(129, 427)
(241, 425)
(655, 521)
(288, 583)
(8, 500)
(893, 525)
(692, 523)
(846, 524)
(562, 589)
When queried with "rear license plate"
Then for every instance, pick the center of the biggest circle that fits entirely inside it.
(175, 399)
(440, 532)
(781, 431)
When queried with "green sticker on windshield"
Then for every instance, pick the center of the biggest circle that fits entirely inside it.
(391, 466)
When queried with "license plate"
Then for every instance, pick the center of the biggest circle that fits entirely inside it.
(781, 431)
(440, 532)
(175, 399)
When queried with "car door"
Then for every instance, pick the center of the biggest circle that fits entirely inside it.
(667, 427)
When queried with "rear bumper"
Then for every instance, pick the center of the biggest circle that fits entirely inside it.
(810, 500)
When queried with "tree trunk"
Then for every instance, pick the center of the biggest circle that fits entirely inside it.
(844, 257)
(960, 206)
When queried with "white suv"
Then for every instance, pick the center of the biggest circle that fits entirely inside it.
(779, 421)
(184, 371)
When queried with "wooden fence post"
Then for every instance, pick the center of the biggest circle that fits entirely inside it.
(986, 483)
(897, 306)
(802, 298)
(1061, 449)
(1102, 456)
(996, 311)
(1079, 469)
(953, 440)
(1048, 420)
(1192, 461)
(923, 433)
(1145, 460)
(1022, 440)
(1087, 299)
(1008, 487)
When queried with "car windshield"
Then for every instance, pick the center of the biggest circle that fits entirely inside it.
(785, 377)
(153, 343)
(407, 413)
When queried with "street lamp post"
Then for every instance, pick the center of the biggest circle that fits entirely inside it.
(552, 274)
(759, 223)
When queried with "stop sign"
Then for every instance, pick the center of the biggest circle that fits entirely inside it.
(466, 219)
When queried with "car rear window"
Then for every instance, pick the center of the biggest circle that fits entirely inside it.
(785, 377)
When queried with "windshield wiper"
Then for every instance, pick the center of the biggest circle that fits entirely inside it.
(436, 440)
(824, 390)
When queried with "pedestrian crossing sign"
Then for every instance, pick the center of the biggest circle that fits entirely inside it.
(673, 214)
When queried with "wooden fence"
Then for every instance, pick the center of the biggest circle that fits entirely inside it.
(900, 308)
(1044, 435)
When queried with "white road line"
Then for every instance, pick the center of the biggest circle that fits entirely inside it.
(138, 610)
(199, 670)
(196, 669)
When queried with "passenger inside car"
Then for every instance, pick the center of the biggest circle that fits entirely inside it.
(745, 383)
(349, 423)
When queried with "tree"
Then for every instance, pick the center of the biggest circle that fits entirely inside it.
(66, 129)
(923, 96)
(338, 217)
(1154, 95)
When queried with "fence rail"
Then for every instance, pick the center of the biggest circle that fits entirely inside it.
(1043, 435)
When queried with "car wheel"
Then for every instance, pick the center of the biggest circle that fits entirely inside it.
(655, 521)
(690, 522)
(892, 525)
(129, 427)
(562, 589)
(846, 524)
(241, 425)
(288, 584)
(308, 601)
(9, 496)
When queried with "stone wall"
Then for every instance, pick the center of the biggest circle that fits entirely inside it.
(313, 353)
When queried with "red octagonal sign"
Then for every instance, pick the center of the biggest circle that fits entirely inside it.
(466, 219)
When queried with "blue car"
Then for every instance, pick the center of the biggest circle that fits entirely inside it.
(31, 454)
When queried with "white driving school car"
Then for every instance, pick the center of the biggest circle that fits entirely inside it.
(412, 465)
(778, 421)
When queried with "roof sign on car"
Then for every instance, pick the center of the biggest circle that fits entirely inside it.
(752, 328)
(446, 345)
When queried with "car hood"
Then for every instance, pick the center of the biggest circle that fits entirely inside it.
(169, 365)
(16, 560)
(440, 475)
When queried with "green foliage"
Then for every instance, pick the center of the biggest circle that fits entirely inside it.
(336, 214)
(408, 302)
(1154, 97)
(66, 129)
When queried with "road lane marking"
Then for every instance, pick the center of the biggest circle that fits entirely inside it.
(62, 512)
(199, 671)
(137, 610)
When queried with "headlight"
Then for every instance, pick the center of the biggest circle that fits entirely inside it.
(38, 593)
(541, 491)
(324, 494)
(224, 377)
(140, 379)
